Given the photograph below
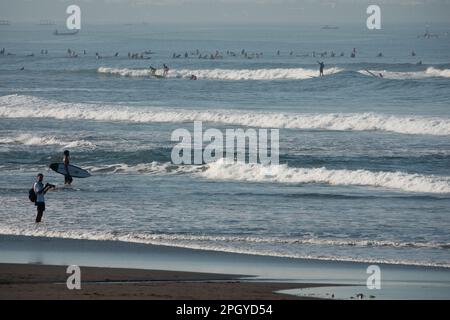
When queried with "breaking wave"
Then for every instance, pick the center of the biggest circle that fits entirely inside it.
(150, 168)
(223, 170)
(20, 106)
(30, 139)
(226, 74)
(272, 74)
(428, 73)
(235, 171)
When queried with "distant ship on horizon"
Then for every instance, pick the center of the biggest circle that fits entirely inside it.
(65, 33)
(46, 23)
(4, 23)
(327, 27)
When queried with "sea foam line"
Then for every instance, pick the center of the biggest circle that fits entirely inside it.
(20, 106)
(430, 72)
(235, 171)
(222, 243)
(29, 139)
(227, 74)
(272, 73)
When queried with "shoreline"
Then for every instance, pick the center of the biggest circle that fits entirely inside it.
(107, 243)
(237, 276)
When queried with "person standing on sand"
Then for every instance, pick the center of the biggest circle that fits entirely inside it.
(66, 160)
(40, 190)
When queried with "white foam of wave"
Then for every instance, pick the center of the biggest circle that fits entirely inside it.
(271, 74)
(20, 106)
(79, 144)
(428, 73)
(151, 168)
(227, 74)
(235, 171)
(225, 170)
(30, 139)
(445, 73)
(125, 72)
(233, 244)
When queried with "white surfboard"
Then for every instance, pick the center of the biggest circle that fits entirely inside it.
(74, 171)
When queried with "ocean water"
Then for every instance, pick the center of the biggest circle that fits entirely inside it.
(364, 171)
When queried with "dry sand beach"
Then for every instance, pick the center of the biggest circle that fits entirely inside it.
(21, 281)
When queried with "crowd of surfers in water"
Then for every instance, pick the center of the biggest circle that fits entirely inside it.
(146, 55)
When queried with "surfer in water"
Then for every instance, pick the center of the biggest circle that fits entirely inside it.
(40, 190)
(66, 160)
(321, 67)
(165, 70)
(379, 75)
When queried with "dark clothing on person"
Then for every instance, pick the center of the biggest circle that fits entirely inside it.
(66, 160)
(40, 211)
(321, 67)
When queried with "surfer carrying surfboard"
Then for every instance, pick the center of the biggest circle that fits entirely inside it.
(70, 170)
(66, 160)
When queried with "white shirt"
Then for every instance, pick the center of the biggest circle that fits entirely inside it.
(39, 190)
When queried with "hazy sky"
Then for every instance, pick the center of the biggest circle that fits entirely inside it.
(228, 11)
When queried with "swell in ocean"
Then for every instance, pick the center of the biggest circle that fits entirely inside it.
(22, 106)
(30, 139)
(276, 73)
(225, 170)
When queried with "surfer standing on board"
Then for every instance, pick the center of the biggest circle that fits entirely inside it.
(321, 67)
(165, 70)
(66, 160)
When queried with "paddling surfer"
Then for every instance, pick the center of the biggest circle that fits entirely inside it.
(380, 75)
